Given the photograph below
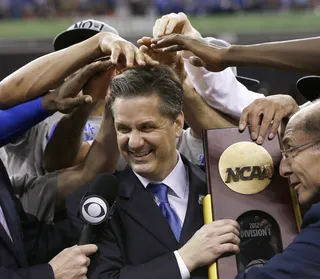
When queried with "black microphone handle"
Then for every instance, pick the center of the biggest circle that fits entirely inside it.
(86, 234)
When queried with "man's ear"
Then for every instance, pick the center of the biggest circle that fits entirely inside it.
(179, 123)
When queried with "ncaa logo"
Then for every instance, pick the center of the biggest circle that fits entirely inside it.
(94, 210)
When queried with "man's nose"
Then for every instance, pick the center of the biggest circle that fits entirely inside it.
(285, 168)
(135, 140)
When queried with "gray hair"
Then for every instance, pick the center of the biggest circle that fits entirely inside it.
(310, 122)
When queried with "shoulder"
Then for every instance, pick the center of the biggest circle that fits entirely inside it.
(194, 170)
(312, 217)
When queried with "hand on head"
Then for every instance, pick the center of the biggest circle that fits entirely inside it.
(117, 47)
(66, 97)
(205, 54)
(174, 32)
(171, 59)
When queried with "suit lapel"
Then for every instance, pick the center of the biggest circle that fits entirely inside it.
(194, 215)
(138, 203)
(12, 219)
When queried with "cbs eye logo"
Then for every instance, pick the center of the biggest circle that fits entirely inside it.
(94, 210)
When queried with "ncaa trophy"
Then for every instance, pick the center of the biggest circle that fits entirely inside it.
(244, 185)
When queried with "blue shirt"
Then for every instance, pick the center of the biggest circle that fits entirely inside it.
(18, 119)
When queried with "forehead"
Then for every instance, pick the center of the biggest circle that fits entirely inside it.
(137, 108)
(294, 132)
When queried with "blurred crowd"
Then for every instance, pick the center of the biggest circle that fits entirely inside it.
(59, 8)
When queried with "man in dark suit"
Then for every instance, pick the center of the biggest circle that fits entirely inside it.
(27, 245)
(157, 229)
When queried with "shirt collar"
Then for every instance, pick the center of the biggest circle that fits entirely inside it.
(177, 180)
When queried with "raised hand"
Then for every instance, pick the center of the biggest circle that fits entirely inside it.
(206, 54)
(174, 23)
(171, 59)
(266, 113)
(98, 84)
(115, 46)
(66, 97)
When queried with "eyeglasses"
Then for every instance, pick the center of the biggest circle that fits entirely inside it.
(285, 152)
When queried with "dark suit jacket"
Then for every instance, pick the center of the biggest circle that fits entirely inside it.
(139, 243)
(34, 243)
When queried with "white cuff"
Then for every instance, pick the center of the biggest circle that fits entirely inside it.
(185, 274)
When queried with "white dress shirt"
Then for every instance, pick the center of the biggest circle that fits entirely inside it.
(178, 195)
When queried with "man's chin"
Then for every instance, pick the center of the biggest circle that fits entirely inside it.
(305, 200)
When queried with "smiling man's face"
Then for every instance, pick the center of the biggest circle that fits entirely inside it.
(146, 138)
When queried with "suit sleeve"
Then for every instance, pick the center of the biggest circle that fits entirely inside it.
(301, 260)
(34, 272)
(108, 262)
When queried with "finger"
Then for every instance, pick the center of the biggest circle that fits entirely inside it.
(129, 53)
(150, 61)
(156, 28)
(85, 73)
(265, 125)
(174, 48)
(83, 270)
(224, 222)
(243, 119)
(170, 26)
(254, 119)
(145, 41)
(105, 66)
(88, 249)
(216, 231)
(228, 248)
(115, 52)
(166, 41)
(144, 49)
(71, 103)
(88, 261)
(162, 26)
(140, 58)
(275, 125)
(229, 238)
(196, 61)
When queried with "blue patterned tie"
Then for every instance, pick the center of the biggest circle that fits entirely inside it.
(161, 192)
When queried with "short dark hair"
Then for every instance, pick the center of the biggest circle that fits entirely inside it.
(145, 81)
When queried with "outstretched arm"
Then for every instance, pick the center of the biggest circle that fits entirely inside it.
(67, 135)
(44, 73)
(102, 157)
(295, 55)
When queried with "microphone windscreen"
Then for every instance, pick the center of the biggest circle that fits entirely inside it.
(105, 185)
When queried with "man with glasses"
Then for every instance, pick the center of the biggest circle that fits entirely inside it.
(301, 165)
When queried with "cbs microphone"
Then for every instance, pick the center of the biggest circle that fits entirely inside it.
(98, 204)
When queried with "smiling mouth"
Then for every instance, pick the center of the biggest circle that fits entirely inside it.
(140, 154)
